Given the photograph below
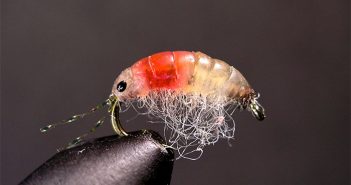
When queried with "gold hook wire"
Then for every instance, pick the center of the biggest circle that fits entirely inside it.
(114, 110)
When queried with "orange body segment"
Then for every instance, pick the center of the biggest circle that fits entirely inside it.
(165, 70)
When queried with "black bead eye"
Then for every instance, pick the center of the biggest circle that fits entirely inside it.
(121, 86)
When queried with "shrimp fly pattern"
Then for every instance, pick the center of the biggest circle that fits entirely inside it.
(193, 94)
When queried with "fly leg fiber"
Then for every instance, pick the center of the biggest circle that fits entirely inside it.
(191, 121)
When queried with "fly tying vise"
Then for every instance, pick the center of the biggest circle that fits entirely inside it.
(193, 94)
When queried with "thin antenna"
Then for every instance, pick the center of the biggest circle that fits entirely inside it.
(114, 109)
(79, 139)
(74, 117)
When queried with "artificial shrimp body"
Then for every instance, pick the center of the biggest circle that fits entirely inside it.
(193, 94)
(187, 73)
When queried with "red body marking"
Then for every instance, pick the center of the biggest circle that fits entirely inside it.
(165, 70)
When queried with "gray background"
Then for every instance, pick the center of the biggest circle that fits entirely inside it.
(61, 57)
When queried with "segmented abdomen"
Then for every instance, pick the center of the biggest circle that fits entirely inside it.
(190, 72)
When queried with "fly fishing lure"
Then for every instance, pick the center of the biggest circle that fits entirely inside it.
(193, 94)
